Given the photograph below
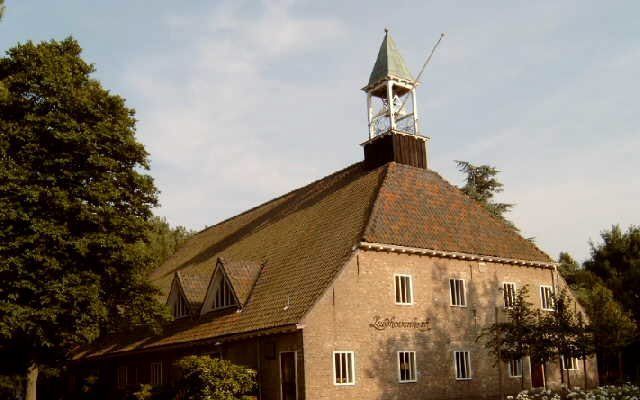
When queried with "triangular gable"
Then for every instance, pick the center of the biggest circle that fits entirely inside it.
(220, 292)
(177, 300)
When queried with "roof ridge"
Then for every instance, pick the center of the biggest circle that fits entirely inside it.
(374, 203)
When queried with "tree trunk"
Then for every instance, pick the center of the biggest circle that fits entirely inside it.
(561, 370)
(620, 368)
(544, 373)
(31, 382)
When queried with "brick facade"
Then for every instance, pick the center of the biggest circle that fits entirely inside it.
(365, 289)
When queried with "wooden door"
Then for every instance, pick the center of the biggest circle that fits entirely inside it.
(288, 375)
(537, 375)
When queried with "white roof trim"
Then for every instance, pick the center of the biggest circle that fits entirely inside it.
(453, 254)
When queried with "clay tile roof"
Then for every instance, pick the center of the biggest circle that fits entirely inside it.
(194, 286)
(242, 275)
(418, 208)
(303, 239)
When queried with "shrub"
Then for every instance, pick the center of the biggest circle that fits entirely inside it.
(624, 392)
(206, 378)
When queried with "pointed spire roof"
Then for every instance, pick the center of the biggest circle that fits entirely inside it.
(389, 62)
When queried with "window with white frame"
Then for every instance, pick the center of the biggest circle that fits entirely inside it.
(569, 363)
(515, 368)
(407, 366)
(156, 373)
(180, 307)
(463, 364)
(546, 297)
(404, 289)
(458, 298)
(343, 368)
(509, 294)
(122, 377)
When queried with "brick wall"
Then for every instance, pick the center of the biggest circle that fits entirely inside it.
(365, 289)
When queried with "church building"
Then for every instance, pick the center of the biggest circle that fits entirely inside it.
(373, 282)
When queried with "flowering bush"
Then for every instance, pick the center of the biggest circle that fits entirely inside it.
(624, 392)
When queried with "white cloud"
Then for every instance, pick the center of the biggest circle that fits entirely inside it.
(214, 129)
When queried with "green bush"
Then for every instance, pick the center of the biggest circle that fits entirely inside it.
(206, 378)
(624, 392)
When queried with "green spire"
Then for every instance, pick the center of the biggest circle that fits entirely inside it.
(389, 62)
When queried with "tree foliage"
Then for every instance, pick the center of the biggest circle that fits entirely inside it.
(540, 335)
(75, 205)
(482, 185)
(206, 378)
(163, 240)
(617, 262)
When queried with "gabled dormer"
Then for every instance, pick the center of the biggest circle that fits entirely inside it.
(187, 291)
(231, 285)
(177, 301)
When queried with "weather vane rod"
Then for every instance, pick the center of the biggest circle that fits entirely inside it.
(415, 81)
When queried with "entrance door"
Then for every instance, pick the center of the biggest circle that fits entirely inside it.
(288, 375)
(537, 375)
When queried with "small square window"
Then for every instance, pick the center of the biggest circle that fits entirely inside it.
(546, 297)
(515, 368)
(462, 364)
(458, 297)
(343, 368)
(404, 289)
(509, 294)
(407, 366)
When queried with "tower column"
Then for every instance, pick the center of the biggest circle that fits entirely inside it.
(370, 116)
(414, 105)
(392, 117)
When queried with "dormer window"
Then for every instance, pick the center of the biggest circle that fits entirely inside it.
(223, 294)
(230, 285)
(180, 307)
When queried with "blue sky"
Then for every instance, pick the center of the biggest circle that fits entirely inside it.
(239, 102)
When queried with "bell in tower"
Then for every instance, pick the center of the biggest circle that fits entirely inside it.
(394, 133)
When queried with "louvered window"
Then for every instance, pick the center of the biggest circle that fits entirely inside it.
(156, 373)
(404, 289)
(546, 297)
(456, 287)
(180, 307)
(463, 364)
(569, 363)
(407, 366)
(223, 295)
(509, 293)
(343, 368)
(122, 377)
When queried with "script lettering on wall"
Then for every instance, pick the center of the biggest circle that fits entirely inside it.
(380, 324)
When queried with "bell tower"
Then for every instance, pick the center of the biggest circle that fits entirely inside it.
(394, 131)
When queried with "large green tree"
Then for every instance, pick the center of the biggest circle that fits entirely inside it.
(616, 260)
(612, 327)
(75, 204)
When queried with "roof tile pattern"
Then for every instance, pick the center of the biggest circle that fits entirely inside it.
(418, 208)
(242, 275)
(194, 287)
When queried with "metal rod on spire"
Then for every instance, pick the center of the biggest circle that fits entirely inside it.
(415, 81)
